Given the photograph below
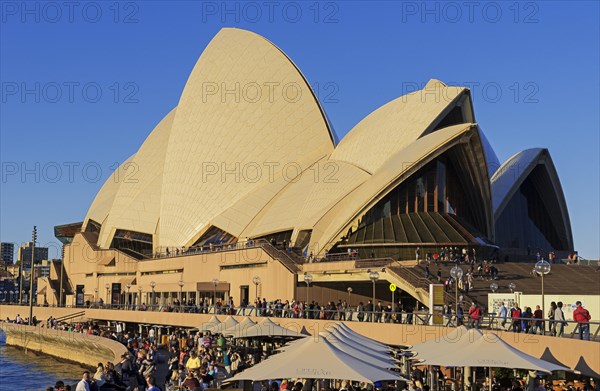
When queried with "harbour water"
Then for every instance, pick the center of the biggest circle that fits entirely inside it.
(29, 371)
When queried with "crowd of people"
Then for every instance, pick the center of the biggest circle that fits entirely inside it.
(135, 369)
(197, 361)
(527, 321)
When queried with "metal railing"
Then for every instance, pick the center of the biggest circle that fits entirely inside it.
(484, 322)
(172, 252)
(272, 250)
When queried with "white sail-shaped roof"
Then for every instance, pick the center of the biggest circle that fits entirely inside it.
(244, 108)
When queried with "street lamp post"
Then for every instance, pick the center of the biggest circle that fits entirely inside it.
(456, 273)
(349, 293)
(21, 272)
(374, 277)
(256, 281)
(542, 268)
(308, 279)
(181, 283)
(127, 299)
(31, 275)
(153, 285)
(107, 285)
(215, 282)
(493, 287)
(512, 286)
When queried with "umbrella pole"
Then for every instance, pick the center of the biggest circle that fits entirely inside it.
(467, 378)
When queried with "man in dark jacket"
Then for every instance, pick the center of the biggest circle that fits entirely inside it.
(369, 308)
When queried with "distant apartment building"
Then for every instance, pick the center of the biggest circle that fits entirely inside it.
(25, 254)
(13, 271)
(42, 270)
(7, 251)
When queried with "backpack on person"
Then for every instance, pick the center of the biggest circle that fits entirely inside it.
(583, 312)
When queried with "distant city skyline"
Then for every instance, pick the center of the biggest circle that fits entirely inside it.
(79, 96)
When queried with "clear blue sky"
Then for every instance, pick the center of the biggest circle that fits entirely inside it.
(541, 57)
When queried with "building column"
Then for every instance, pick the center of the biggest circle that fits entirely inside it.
(467, 378)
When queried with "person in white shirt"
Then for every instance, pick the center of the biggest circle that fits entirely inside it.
(84, 384)
(559, 319)
(503, 314)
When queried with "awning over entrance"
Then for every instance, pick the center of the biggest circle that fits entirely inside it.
(127, 280)
(208, 286)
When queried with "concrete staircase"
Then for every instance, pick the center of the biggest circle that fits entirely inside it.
(562, 279)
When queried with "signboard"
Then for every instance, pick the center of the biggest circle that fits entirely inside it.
(79, 295)
(393, 290)
(436, 304)
(115, 294)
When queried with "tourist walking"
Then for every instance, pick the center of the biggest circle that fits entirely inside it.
(538, 324)
(550, 315)
(369, 310)
(559, 319)
(84, 384)
(582, 317)
(459, 316)
(515, 315)
(360, 311)
(526, 323)
(474, 316)
(503, 314)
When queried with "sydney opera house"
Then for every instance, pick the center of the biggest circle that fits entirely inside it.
(248, 162)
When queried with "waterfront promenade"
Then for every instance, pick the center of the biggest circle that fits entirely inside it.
(86, 350)
(573, 353)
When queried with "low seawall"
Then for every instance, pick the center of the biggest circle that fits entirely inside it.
(87, 350)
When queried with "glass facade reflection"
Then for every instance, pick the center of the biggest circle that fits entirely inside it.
(437, 204)
(136, 244)
(435, 188)
(526, 221)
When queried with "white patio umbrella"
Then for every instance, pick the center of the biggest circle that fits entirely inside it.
(376, 347)
(316, 359)
(208, 326)
(454, 341)
(228, 323)
(352, 348)
(359, 337)
(240, 327)
(361, 352)
(266, 328)
(491, 351)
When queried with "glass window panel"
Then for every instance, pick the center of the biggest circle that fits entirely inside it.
(420, 194)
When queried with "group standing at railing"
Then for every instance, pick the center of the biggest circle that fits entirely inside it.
(208, 248)
(512, 319)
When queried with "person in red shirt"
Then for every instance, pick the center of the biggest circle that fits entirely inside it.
(538, 324)
(474, 316)
(582, 317)
(515, 314)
